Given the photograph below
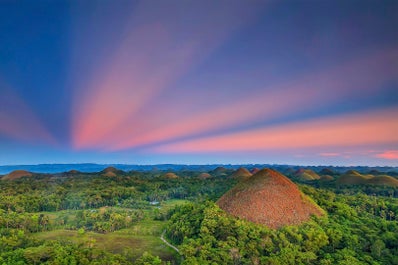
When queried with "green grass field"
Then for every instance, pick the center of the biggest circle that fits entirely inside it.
(131, 242)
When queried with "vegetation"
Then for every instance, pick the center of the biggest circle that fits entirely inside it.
(357, 230)
(116, 217)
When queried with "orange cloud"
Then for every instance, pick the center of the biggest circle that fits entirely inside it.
(343, 131)
(157, 49)
(359, 77)
(390, 155)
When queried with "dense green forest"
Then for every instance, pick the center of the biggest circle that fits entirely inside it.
(100, 219)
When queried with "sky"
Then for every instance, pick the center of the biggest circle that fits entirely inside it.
(199, 82)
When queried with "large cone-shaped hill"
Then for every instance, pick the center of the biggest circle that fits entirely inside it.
(17, 174)
(269, 198)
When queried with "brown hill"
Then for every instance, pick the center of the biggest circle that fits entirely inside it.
(241, 173)
(111, 172)
(352, 172)
(254, 170)
(110, 169)
(170, 175)
(383, 180)
(352, 177)
(327, 171)
(306, 174)
(16, 174)
(269, 198)
(204, 176)
(326, 178)
(220, 170)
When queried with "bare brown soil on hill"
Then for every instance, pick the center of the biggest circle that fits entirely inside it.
(241, 173)
(204, 176)
(170, 175)
(110, 169)
(111, 172)
(269, 198)
(16, 174)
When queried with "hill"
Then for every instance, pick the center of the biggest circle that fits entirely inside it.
(352, 177)
(306, 174)
(170, 175)
(384, 180)
(254, 170)
(111, 172)
(16, 174)
(241, 173)
(221, 172)
(269, 198)
(204, 175)
(326, 178)
(327, 171)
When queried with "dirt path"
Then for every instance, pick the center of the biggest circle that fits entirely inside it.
(167, 243)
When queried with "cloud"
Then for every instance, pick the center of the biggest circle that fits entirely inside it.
(390, 155)
(343, 131)
(360, 77)
(158, 48)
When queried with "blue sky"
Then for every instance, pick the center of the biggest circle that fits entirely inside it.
(143, 82)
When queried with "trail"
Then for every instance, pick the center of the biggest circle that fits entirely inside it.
(170, 245)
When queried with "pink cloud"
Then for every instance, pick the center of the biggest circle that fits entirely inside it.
(342, 131)
(354, 78)
(156, 51)
(390, 155)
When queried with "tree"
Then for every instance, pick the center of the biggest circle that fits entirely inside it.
(148, 259)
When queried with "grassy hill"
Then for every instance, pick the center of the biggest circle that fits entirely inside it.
(352, 177)
(306, 174)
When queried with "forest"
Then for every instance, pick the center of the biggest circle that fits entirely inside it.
(117, 217)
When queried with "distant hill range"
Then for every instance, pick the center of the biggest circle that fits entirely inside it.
(218, 169)
(352, 177)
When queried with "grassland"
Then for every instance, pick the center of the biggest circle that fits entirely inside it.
(132, 242)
